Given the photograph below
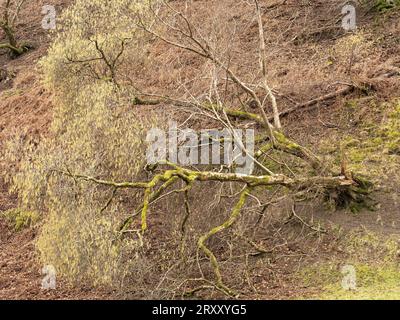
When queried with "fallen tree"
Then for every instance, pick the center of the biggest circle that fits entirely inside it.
(342, 187)
(97, 146)
(346, 188)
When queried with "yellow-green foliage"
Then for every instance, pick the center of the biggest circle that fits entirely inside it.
(96, 39)
(101, 138)
(346, 48)
(352, 44)
(84, 246)
(380, 5)
(10, 93)
(383, 139)
(20, 218)
(95, 132)
(383, 5)
(373, 282)
(375, 149)
(389, 134)
(376, 268)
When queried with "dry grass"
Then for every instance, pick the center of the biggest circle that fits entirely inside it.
(308, 54)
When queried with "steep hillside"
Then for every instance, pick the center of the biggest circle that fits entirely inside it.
(339, 94)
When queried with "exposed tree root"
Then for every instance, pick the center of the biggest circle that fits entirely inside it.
(355, 197)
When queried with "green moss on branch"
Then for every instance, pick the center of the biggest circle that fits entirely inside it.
(227, 224)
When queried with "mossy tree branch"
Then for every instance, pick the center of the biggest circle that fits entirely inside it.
(7, 24)
(190, 176)
(227, 224)
(174, 173)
